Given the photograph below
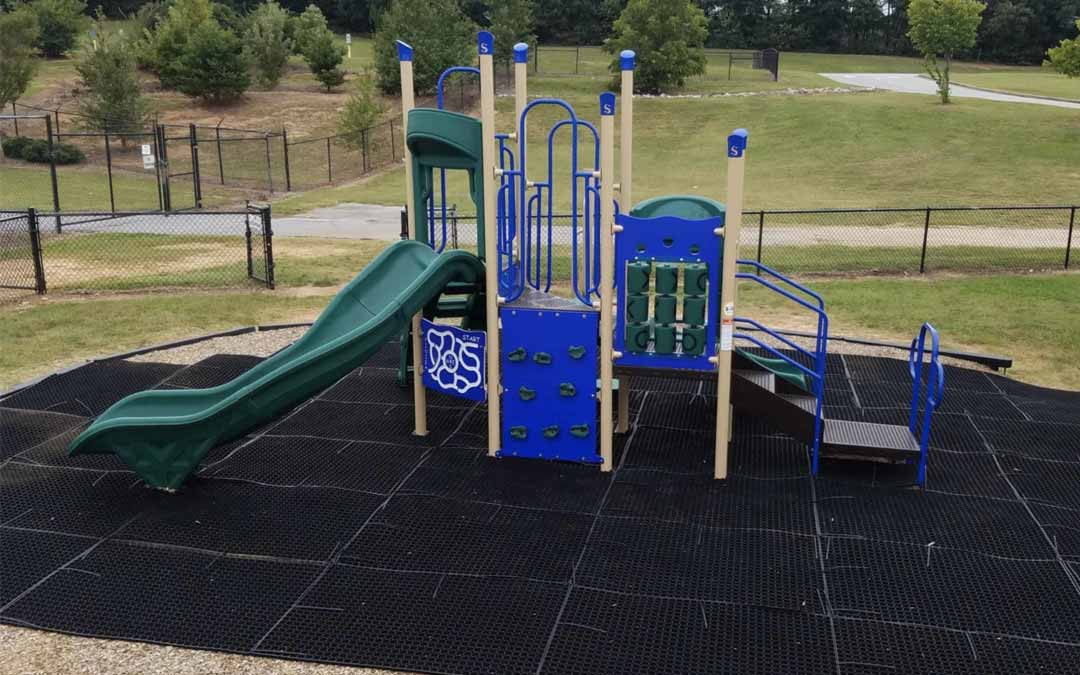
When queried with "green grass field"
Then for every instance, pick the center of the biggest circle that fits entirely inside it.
(1037, 81)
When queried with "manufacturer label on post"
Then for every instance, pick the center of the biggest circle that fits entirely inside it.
(454, 360)
(727, 328)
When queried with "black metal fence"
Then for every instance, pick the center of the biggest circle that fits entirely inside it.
(572, 60)
(134, 251)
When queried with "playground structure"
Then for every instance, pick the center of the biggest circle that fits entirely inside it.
(652, 292)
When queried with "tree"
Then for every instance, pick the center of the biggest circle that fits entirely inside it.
(166, 45)
(943, 27)
(323, 55)
(60, 22)
(113, 101)
(511, 23)
(213, 66)
(669, 38)
(1065, 58)
(17, 58)
(441, 35)
(306, 27)
(267, 44)
(361, 111)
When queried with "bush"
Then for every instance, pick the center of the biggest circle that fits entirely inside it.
(1065, 58)
(669, 38)
(267, 43)
(17, 60)
(165, 46)
(213, 66)
(323, 55)
(113, 100)
(361, 111)
(511, 22)
(37, 150)
(306, 27)
(61, 22)
(441, 35)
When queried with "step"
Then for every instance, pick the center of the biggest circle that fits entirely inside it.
(761, 378)
(451, 308)
(460, 288)
(807, 403)
(848, 439)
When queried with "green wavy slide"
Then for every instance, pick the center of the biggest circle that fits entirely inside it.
(164, 434)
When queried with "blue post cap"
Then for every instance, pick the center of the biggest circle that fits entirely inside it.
(627, 59)
(404, 51)
(607, 104)
(485, 43)
(521, 52)
(736, 142)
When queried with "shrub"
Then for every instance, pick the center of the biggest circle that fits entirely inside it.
(113, 100)
(440, 33)
(669, 38)
(17, 60)
(267, 44)
(511, 22)
(65, 153)
(15, 146)
(213, 66)
(943, 27)
(323, 55)
(361, 111)
(1065, 58)
(37, 150)
(306, 27)
(166, 45)
(61, 22)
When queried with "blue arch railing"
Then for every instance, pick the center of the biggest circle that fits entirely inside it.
(919, 425)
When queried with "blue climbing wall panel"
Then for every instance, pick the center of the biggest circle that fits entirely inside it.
(549, 371)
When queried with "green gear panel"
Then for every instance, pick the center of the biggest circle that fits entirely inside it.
(693, 341)
(664, 342)
(637, 276)
(637, 337)
(695, 279)
(637, 308)
(667, 278)
(693, 310)
(665, 309)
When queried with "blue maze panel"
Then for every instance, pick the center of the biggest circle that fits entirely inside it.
(674, 252)
(454, 360)
(549, 371)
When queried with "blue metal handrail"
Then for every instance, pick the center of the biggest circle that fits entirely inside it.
(773, 273)
(935, 391)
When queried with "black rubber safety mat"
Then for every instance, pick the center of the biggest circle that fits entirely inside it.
(336, 534)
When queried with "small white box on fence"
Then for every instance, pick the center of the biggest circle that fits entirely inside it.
(147, 161)
(146, 149)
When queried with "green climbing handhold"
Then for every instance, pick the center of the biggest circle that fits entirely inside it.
(576, 351)
(526, 394)
(517, 354)
(580, 431)
(543, 358)
(519, 432)
(566, 389)
(551, 431)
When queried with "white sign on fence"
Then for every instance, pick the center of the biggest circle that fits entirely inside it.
(147, 161)
(146, 149)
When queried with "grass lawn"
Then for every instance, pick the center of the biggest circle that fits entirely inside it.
(1037, 81)
(870, 149)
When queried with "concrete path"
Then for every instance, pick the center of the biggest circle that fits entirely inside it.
(347, 221)
(912, 83)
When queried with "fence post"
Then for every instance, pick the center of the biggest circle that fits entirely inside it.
(15, 114)
(393, 144)
(220, 161)
(925, 236)
(52, 174)
(363, 150)
(196, 175)
(329, 163)
(1068, 242)
(269, 171)
(108, 169)
(57, 114)
(247, 237)
(35, 250)
(536, 59)
(268, 245)
(285, 149)
(163, 160)
(760, 234)
(405, 222)
(577, 59)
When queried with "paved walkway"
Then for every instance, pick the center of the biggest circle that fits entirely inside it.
(912, 83)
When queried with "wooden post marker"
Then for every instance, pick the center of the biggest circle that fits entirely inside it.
(485, 46)
(732, 221)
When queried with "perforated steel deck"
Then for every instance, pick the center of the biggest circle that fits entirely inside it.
(333, 534)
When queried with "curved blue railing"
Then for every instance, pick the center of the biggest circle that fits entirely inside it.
(815, 304)
(935, 391)
(442, 172)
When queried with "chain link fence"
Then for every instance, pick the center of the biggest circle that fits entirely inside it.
(134, 251)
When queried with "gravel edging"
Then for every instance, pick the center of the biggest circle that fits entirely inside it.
(255, 343)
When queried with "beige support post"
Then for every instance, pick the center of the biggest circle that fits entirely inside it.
(732, 223)
(486, 47)
(626, 195)
(521, 99)
(607, 274)
(405, 54)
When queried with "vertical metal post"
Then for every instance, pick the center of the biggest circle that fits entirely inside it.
(485, 47)
(196, 175)
(35, 250)
(220, 160)
(730, 58)
(577, 59)
(393, 143)
(57, 114)
(363, 150)
(52, 174)
(247, 238)
(408, 101)
(536, 60)
(405, 223)
(15, 114)
(733, 221)
(925, 236)
(269, 171)
(329, 163)
(760, 234)
(163, 160)
(607, 276)
(285, 149)
(108, 169)
(268, 245)
(1068, 242)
